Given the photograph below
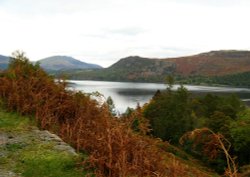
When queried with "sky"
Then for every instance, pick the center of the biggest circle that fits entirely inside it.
(104, 31)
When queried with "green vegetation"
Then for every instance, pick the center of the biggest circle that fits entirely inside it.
(236, 80)
(240, 131)
(174, 113)
(170, 115)
(24, 153)
(40, 161)
(13, 121)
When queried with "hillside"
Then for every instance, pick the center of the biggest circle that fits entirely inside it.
(3, 62)
(133, 68)
(64, 63)
(27, 151)
(205, 66)
(213, 63)
(113, 147)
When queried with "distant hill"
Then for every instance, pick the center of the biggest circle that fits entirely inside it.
(204, 66)
(4, 61)
(214, 63)
(65, 63)
(55, 63)
(224, 67)
(133, 68)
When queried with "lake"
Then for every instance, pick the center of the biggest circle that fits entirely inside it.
(129, 94)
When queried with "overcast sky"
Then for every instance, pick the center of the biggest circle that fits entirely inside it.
(103, 31)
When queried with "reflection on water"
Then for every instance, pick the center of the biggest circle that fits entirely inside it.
(127, 94)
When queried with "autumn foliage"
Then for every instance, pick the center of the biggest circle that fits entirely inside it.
(212, 144)
(113, 148)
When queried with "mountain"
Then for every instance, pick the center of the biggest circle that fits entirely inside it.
(202, 66)
(65, 63)
(214, 63)
(4, 61)
(133, 68)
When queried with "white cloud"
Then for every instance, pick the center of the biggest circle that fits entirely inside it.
(102, 31)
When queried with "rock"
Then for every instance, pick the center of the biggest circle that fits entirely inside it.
(3, 138)
(4, 173)
(47, 136)
(59, 143)
(66, 148)
(54, 137)
(13, 143)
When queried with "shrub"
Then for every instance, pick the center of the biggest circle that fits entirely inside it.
(114, 150)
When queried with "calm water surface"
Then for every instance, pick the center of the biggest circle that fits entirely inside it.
(128, 94)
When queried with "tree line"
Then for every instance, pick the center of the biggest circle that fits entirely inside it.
(173, 114)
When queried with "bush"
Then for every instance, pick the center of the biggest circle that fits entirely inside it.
(114, 150)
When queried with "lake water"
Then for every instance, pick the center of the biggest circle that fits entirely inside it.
(129, 94)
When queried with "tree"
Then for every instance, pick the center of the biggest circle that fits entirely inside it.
(219, 122)
(170, 115)
(240, 131)
(111, 106)
(169, 82)
(19, 55)
(213, 144)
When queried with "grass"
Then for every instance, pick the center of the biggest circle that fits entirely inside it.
(14, 122)
(30, 156)
(41, 161)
